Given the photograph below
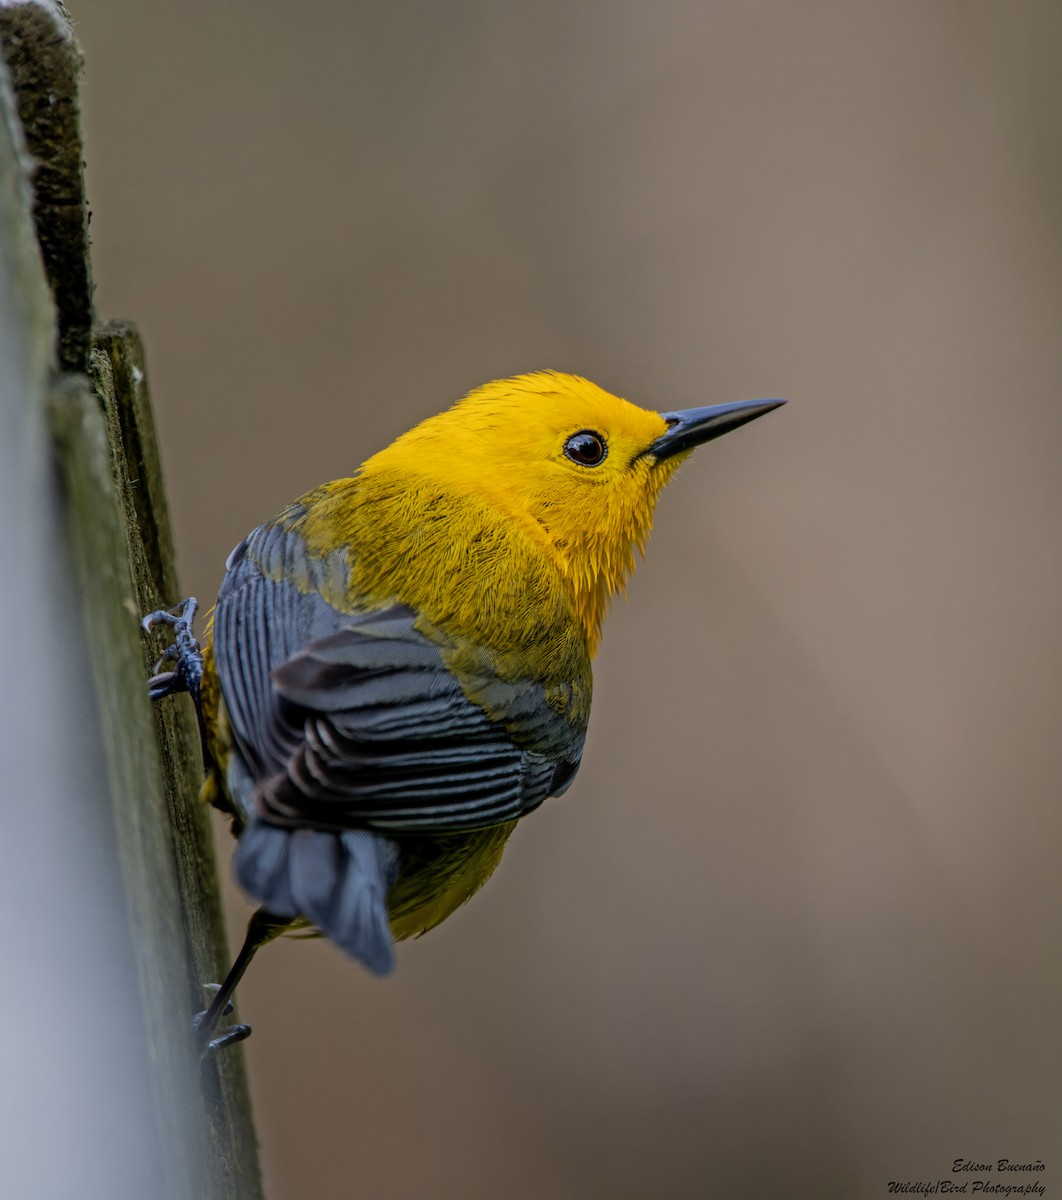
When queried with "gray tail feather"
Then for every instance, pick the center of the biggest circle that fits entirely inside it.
(336, 880)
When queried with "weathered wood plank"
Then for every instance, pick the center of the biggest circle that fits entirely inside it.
(76, 1114)
(44, 61)
(97, 548)
(120, 377)
(88, 548)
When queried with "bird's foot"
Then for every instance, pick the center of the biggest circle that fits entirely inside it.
(184, 652)
(204, 1023)
(226, 1037)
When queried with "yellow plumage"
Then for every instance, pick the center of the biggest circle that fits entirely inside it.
(399, 665)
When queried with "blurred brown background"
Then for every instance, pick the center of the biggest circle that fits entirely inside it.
(795, 932)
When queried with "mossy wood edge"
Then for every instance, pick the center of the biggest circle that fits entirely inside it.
(118, 545)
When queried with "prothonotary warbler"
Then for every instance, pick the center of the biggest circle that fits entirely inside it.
(398, 665)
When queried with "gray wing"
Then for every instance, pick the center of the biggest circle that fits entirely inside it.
(354, 720)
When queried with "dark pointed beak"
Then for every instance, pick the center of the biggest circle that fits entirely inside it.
(693, 426)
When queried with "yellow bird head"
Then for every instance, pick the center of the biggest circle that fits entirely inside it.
(578, 468)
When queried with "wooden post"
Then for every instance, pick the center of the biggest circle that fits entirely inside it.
(106, 856)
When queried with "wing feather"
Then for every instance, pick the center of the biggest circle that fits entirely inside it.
(355, 720)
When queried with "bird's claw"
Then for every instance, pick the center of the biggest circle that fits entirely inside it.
(184, 652)
(180, 616)
(227, 1037)
(205, 1022)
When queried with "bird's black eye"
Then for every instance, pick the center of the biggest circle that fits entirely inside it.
(586, 448)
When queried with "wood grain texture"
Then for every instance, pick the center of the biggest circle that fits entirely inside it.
(120, 378)
(44, 61)
(92, 543)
